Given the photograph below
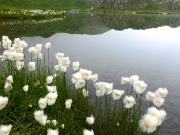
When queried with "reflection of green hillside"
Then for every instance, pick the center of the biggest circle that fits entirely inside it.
(85, 24)
(139, 21)
(73, 23)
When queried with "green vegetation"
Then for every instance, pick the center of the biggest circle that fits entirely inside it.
(38, 98)
(42, 4)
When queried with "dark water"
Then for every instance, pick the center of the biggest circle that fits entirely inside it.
(114, 46)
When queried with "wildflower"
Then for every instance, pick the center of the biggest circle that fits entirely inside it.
(76, 77)
(51, 89)
(158, 101)
(129, 101)
(90, 120)
(100, 92)
(39, 56)
(40, 117)
(48, 121)
(25, 88)
(19, 65)
(42, 103)
(59, 56)
(49, 79)
(54, 122)
(108, 88)
(3, 102)
(38, 47)
(31, 49)
(88, 132)
(150, 96)
(133, 79)
(51, 98)
(63, 69)
(162, 92)
(52, 132)
(159, 114)
(32, 66)
(116, 94)
(117, 124)
(85, 73)
(139, 86)
(5, 129)
(8, 86)
(75, 65)
(80, 84)
(68, 103)
(66, 61)
(124, 80)
(56, 67)
(17, 41)
(148, 123)
(48, 45)
(23, 44)
(9, 79)
(30, 105)
(85, 92)
(62, 126)
(94, 77)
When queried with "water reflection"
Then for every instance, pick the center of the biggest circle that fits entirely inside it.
(153, 53)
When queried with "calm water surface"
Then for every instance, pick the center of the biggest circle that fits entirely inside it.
(114, 46)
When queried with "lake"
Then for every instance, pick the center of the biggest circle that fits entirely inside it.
(113, 46)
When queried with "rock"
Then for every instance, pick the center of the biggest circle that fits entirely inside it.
(176, 4)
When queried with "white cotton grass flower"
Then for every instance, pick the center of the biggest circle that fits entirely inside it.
(54, 122)
(49, 79)
(62, 126)
(161, 92)
(158, 101)
(75, 77)
(85, 73)
(150, 96)
(66, 62)
(129, 101)
(5, 129)
(42, 103)
(124, 80)
(75, 65)
(40, 117)
(90, 120)
(94, 77)
(85, 93)
(80, 84)
(19, 65)
(26, 88)
(148, 123)
(52, 132)
(8, 86)
(159, 114)
(31, 50)
(139, 86)
(56, 67)
(32, 66)
(3, 102)
(48, 121)
(133, 79)
(48, 45)
(51, 98)
(9, 79)
(59, 56)
(68, 103)
(38, 47)
(116, 94)
(51, 89)
(63, 69)
(108, 88)
(100, 92)
(88, 132)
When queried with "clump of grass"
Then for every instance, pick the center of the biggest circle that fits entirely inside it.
(36, 98)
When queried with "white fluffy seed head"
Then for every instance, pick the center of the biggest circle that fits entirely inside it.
(129, 101)
(52, 132)
(68, 103)
(3, 102)
(162, 92)
(5, 129)
(90, 120)
(148, 123)
(116, 94)
(88, 132)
